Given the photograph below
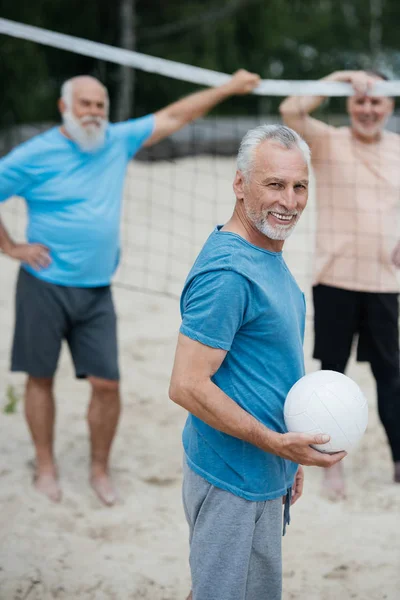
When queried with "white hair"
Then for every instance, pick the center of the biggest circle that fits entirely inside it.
(275, 133)
(67, 89)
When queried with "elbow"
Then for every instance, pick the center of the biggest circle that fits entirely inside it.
(283, 110)
(179, 393)
(287, 112)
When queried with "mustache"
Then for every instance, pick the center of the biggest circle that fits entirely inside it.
(92, 119)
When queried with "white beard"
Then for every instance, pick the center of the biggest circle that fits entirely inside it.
(90, 137)
(273, 232)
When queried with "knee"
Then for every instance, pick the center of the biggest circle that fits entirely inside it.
(386, 375)
(105, 388)
(39, 383)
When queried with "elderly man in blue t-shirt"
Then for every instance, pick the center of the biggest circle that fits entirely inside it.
(239, 352)
(72, 179)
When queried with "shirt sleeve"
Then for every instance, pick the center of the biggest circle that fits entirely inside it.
(14, 178)
(135, 132)
(214, 307)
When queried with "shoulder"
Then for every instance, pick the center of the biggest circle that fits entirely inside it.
(391, 139)
(132, 127)
(34, 147)
(330, 141)
(217, 268)
(225, 251)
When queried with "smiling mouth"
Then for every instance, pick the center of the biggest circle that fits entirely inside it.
(367, 121)
(282, 218)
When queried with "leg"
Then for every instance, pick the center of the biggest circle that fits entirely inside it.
(382, 350)
(40, 323)
(40, 415)
(336, 319)
(221, 527)
(103, 416)
(388, 394)
(93, 344)
(264, 580)
(334, 486)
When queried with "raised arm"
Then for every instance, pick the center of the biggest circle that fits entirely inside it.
(192, 388)
(177, 115)
(295, 110)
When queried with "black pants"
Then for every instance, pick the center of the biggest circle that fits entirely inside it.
(341, 314)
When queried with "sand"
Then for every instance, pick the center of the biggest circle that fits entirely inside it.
(138, 549)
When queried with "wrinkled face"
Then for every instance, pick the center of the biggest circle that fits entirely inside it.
(89, 100)
(368, 114)
(275, 192)
(85, 117)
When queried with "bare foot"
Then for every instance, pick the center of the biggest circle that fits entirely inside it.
(104, 489)
(46, 483)
(333, 486)
(189, 597)
(397, 471)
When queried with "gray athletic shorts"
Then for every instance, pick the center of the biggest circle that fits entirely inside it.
(235, 544)
(46, 314)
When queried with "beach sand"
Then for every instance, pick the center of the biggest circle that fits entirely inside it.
(139, 548)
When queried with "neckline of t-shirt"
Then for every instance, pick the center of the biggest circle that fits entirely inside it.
(246, 242)
(70, 142)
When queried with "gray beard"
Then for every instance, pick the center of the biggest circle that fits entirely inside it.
(89, 138)
(278, 232)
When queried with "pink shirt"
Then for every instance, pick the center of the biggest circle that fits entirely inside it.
(358, 198)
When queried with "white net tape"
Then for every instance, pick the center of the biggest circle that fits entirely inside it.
(169, 68)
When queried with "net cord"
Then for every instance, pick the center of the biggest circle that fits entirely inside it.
(169, 68)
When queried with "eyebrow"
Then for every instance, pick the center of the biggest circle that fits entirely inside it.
(89, 101)
(280, 180)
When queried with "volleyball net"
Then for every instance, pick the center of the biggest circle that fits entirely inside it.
(177, 191)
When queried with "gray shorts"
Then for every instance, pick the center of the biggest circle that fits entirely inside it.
(235, 544)
(46, 314)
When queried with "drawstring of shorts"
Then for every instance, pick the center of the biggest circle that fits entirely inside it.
(286, 510)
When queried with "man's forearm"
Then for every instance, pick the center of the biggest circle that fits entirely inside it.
(6, 243)
(196, 105)
(304, 105)
(210, 404)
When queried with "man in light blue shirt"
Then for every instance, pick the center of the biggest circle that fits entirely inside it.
(239, 352)
(72, 180)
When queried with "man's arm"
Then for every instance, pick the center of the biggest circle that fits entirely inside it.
(191, 387)
(13, 181)
(35, 255)
(295, 110)
(177, 115)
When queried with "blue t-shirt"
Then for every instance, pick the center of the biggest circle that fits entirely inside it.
(244, 300)
(74, 199)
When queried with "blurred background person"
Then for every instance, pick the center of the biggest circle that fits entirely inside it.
(72, 180)
(355, 286)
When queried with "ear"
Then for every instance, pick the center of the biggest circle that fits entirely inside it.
(62, 107)
(391, 105)
(238, 185)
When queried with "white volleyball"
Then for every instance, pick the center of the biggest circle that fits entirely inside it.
(327, 402)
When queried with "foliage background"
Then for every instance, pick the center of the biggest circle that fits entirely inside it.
(280, 39)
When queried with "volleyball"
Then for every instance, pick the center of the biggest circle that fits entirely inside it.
(327, 402)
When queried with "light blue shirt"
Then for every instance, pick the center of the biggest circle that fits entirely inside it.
(243, 299)
(74, 199)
